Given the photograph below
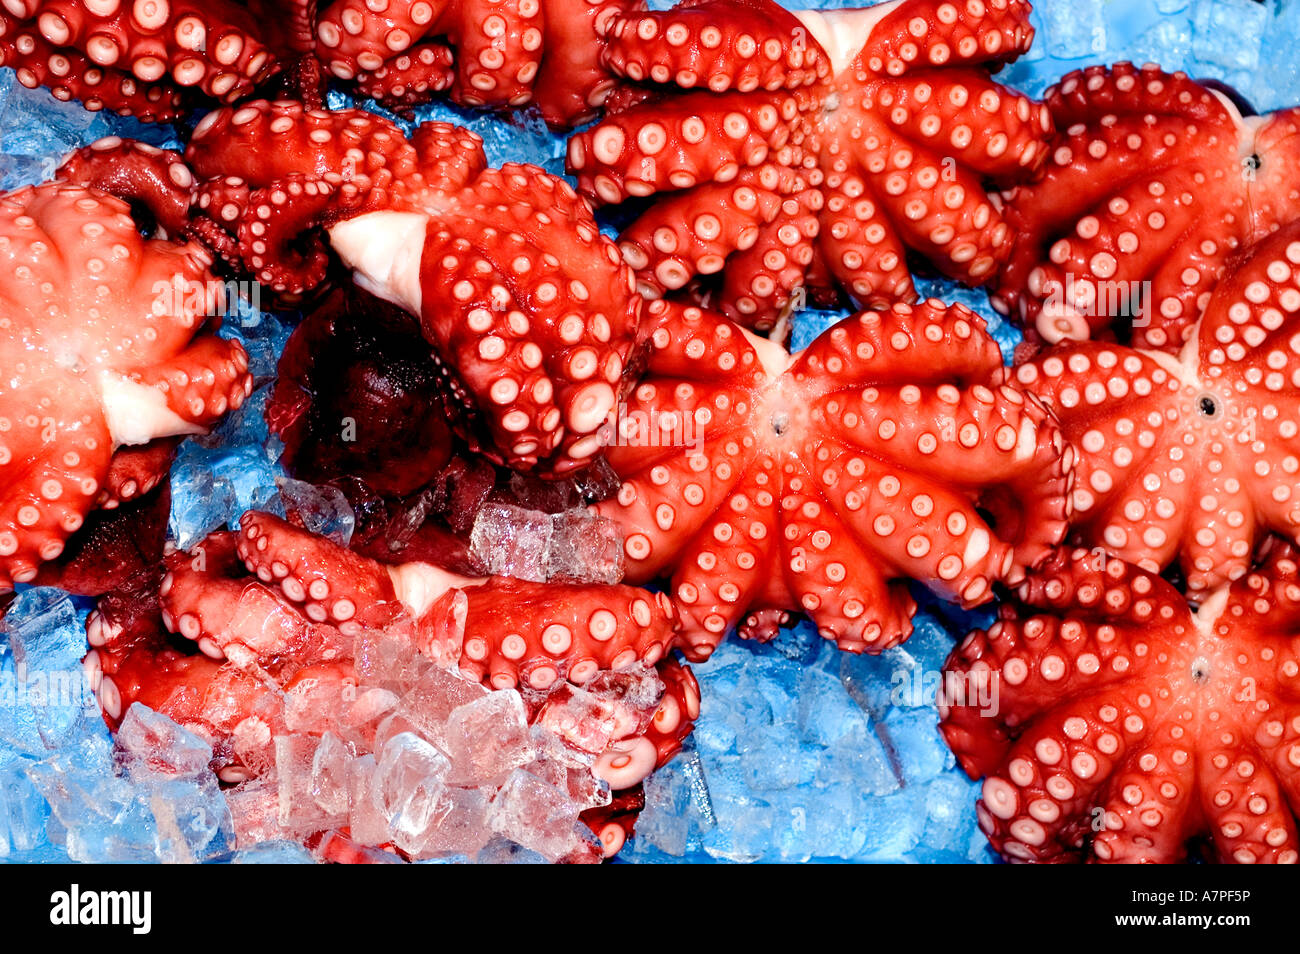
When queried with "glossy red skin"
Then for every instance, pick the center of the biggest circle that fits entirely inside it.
(527, 304)
(821, 483)
(802, 173)
(496, 55)
(154, 66)
(1124, 727)
(260, 619)
(1156, 185)
(1189, 461)
(131, 316)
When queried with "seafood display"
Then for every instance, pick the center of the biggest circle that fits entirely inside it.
(367, 497)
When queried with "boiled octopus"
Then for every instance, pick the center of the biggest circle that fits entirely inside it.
(528, 304)
(888, 450)
(1155, 185)
(1190, 460)
(1128, 724)
(109, 352)
(486, 53)
(272, 614)
(153, 59)
(797, 152)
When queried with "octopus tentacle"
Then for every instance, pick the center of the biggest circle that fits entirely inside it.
(573, 632)
(266, 238)
(193, 43)
(135, 471)
(203, 382)
(983, 126)
(410, 79)
(71, 75)
(859, 246)
(760, 283)
(573, 81)
(499, 42)
(675, 240)
(205, 596)
(675, 144)
(54, 458)
(689, 46)
(331, 583)
(136, 171)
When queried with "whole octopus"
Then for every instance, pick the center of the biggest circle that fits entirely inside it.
(790, 157)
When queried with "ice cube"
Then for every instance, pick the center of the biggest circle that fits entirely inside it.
(1073, 29)
(295, 760)
(665, 823)
(149, 744)
(278, 852)
(48, 700)
(825, 711)
(1229, 33)
(584, 548)
(23, 810)
(192, 821)
(428, 703)
(503, 851)
(323, 510)
(581, 719)
(366, 821)
(254, 807)
(201, 503)
(408, 780)
(540, 817)
(487, 739)
(510, 541)
(330, 767)
(457, 824)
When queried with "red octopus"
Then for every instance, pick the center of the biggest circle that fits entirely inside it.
(275, 612)
(146, 58)
(1156, 183)
(802, 150)
(1192, 459)
(529, 305)
(108, 351)
(490, 53)
(887, 450)
(1125, 724)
